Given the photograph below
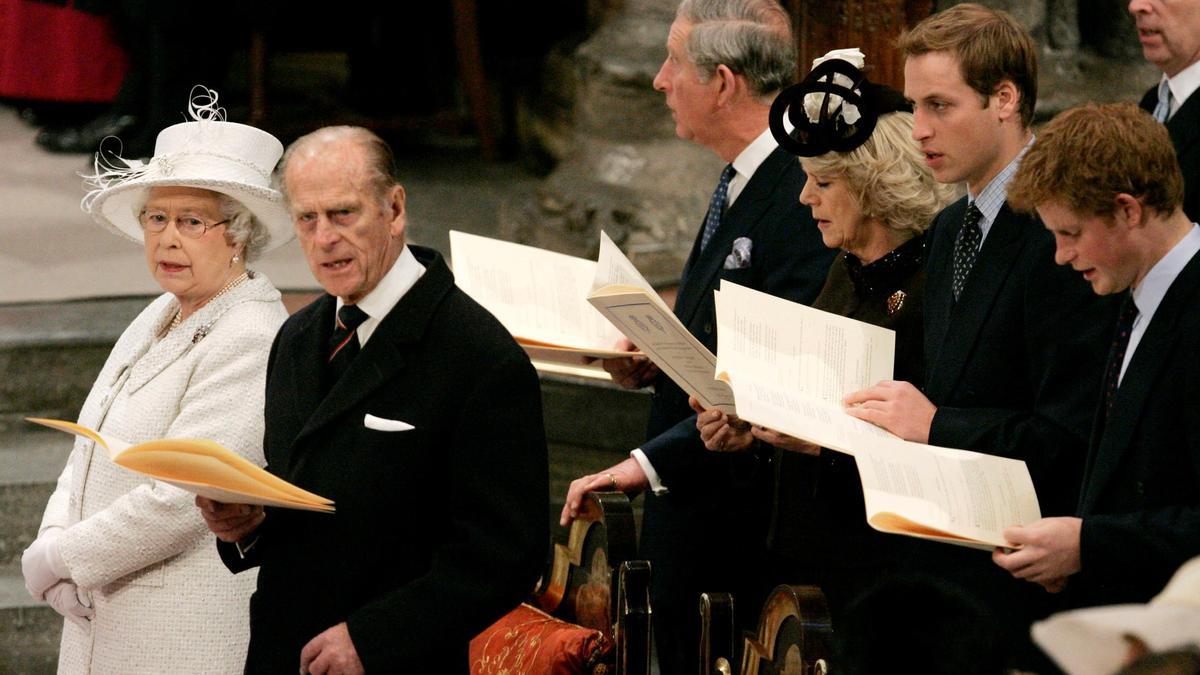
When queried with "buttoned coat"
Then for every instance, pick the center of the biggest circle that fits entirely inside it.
(1140, 502)
(1184, 127)
(137, 548)
(440, 529)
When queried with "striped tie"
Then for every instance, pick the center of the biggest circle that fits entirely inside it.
(343, 344)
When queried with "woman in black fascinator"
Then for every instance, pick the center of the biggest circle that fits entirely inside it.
(872, 197)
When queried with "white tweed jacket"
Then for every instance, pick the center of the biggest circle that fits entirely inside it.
(138, 548)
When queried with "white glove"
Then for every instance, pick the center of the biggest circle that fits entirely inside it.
(42, 564)
(64, 597)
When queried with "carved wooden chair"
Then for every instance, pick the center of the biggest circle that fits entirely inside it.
(590, 612)
(794, 635)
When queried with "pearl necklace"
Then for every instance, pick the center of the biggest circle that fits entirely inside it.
(228, 285)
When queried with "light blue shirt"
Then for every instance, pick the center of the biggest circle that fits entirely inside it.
(991, 198)
(1149, 294)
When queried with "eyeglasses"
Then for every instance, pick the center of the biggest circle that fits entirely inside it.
(154, 222)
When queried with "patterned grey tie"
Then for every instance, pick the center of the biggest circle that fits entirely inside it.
(966, 248)
(716, 205)
(1163, 109)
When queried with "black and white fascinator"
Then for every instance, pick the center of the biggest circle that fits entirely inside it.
(834, 109)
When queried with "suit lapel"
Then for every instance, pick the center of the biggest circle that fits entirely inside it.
(754, 200)
(383, 355)
(1153, 351)
(1183, 126)
(967, 317)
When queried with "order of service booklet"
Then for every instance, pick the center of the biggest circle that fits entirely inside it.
(537, 295)
(202, 467)
(789, 367)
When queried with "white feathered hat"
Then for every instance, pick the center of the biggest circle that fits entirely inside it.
(226, 157)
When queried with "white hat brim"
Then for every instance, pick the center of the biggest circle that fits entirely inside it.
(116, 208)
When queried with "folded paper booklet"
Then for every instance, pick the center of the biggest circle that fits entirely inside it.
(789, 367)
(624, 297)
(202, 467)
(538, 295)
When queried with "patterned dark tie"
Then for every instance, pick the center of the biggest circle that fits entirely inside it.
(1116, 355)
(966, 248)
(1162, 109)
(716, 206)
(343, 344)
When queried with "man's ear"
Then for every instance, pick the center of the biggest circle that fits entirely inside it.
(1007, 99)
(397, 210)
(1129, 212)
(727, 84)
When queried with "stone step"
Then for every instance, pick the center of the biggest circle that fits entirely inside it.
(30, 462)
(29, 629)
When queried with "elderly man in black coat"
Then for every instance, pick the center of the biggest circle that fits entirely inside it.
(402, 400)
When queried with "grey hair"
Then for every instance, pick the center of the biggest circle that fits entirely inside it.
(380, 161)
(753, 38)
(243, 227)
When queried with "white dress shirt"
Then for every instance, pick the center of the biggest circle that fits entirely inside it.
(1184, 84)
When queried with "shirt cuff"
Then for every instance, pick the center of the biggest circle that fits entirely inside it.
(243, 547)
(656, 485)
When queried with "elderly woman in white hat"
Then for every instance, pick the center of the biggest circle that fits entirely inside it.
(126, 559)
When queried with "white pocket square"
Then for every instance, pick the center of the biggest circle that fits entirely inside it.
(384, 424)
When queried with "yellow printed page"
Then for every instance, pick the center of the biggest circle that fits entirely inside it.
(200, 466)
(539, 296)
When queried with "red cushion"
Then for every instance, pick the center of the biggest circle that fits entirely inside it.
(527, 640)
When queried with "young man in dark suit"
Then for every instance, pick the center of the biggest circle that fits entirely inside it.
(1105, 181)
(1169, 31)
(1013, 342)
(407, 404)
(704, 528)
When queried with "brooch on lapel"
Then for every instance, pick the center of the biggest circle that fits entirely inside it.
(201, 333)
(895, 301)
(739, 257)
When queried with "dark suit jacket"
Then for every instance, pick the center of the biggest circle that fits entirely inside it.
(709, 533)
(1015, 365)
(1141, 494)
(788, 260)
(439, 530)
(1014, 368)
(1184, 128)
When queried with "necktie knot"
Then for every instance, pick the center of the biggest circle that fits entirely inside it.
(966, 248)
(716, 206)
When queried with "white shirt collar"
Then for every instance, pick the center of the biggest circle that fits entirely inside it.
(1150, 293)
(1184, 84)
(402, 277)
(747, 162)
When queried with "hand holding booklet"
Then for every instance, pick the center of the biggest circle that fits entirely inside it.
(790, 366)
(202, 467)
